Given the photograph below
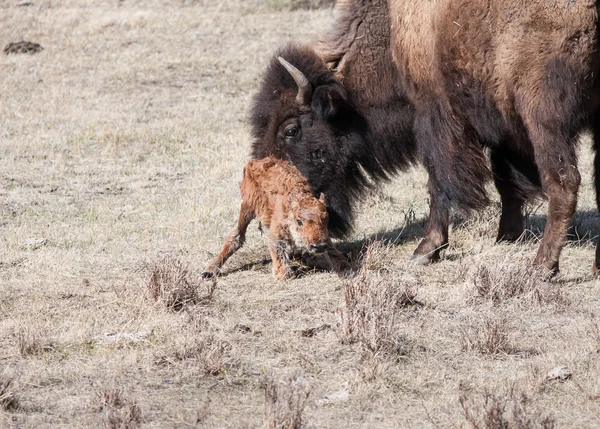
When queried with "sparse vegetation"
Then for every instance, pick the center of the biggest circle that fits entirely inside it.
(29, 343)
(8, 398)
(496, 411)
(488, 337)
(118, 412)
(507, 281)
(207, 352)
(520, 280)
(123, 141)
(285, 400)
(169, 282)
(373, 304)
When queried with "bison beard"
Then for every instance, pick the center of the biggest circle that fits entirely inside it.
(519, 78)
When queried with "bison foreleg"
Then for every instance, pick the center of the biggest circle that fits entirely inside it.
(557, 162)
(436, 234)
(235, 240)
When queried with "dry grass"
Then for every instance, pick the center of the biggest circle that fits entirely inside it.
(206, 352)
(123, 140)
(118, 412)
(508, 411)
(488, 337)
(170, 282)
(374, 303)
(8, 397)
(285, 401)
(522, 281)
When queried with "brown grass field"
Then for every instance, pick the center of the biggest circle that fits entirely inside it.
(121, 150)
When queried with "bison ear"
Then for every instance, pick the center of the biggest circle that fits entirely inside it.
(322, 198)
(327, 101)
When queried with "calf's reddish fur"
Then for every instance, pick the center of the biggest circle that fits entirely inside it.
(280, 197)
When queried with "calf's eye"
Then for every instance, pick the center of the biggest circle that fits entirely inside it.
(291, 132)
(299, 222)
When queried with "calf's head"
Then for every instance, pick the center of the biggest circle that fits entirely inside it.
(308, 223)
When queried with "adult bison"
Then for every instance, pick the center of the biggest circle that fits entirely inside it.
(400, 81)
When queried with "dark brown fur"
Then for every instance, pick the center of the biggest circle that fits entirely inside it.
(281, 198)
(440, 81)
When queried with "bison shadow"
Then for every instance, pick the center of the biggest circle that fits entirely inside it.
(582, 231)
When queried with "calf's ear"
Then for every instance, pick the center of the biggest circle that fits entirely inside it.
(327, 101)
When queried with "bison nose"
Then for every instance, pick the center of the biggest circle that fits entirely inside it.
(318, 248)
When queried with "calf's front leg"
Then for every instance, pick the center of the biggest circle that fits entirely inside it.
(281, 261)
(234, 241)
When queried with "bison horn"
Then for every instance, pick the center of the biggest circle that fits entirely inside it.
(304, 87)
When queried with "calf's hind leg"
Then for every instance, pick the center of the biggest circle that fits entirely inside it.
(234, 241)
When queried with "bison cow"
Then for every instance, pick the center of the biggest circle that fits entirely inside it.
(439, 82)
(281, 198)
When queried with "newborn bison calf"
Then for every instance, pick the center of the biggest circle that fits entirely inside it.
(280, 197)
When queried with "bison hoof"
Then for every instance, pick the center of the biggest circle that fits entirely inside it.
(550, 269)
(509, 237)
(424, 259)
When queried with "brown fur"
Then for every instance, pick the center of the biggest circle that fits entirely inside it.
(441, 81)
(280, 197)
(531, 63)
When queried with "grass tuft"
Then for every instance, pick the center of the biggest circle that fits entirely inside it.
(169, 282)
(8, 398)
(372, 305)
(507, 281)
(520, 280)
(491, 337)
(29, 343)
(510, 411)
(208, 353)
(118, 411)
(285, 401)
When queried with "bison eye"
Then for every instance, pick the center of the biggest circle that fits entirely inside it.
(299, 222)
(291, 132)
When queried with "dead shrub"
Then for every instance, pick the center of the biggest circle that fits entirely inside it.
(373, 304)
(285, 401)
(491, 337)
(509, 411)
(208, 353)
(169, 281)
(8, 398)
(118, 412)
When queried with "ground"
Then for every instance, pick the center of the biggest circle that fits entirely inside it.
(121, 150)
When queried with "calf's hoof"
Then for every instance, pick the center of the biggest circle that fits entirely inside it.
(209, 274)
